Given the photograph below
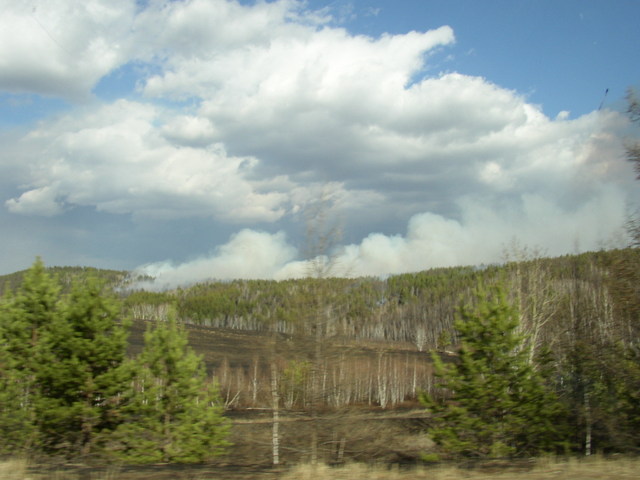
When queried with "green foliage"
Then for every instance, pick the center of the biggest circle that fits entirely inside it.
(171, 412)
(602, 388)
(499, 405)
(430, 457)
(627, 393)
(17, 416)
(25, 318)
(588, 325)
(29, 312)
(66, 386)
(444, 339)
(66, 277)
(294, 380)
(80, 371)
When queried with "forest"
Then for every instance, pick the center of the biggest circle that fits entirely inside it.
(533, 356)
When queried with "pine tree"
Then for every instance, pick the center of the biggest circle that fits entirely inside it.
(17, 417)
(25, 317)
(601, 386)
(81, 369)
(30, 312)
(627, 387)
(171, 412)
(499, 404)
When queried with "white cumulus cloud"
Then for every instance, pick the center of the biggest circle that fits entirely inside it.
(116, 159)
(56, 47)
(38, 201)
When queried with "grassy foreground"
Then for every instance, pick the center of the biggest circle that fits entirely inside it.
(572, 469)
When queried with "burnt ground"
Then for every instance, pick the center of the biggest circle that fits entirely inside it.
(240, 347)
(356, 433)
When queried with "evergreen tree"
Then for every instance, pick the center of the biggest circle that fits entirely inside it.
(499, 404)
(25, 318)
(17, 417)
(28, 313)
(81, 369)
(171, 412)
(601, 386)
(627, 407)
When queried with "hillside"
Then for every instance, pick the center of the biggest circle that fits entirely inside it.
(66, 276)
(374, 334)
(416, 308)
(352, 355)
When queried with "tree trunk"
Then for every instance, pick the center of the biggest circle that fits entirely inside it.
(275, 432)
(587, 420)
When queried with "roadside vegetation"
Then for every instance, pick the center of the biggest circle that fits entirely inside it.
(543, 358)
(69, 390)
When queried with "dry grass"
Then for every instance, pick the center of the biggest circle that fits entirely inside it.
(14, 469)
(19, 469)
(574, 469)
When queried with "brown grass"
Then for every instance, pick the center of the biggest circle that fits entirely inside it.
(573, 469)
(21, 469)
(14, 469)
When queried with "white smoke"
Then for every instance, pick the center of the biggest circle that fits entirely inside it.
(431, 240)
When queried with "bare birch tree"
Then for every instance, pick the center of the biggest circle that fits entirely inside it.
(323, 234)
(536, 297)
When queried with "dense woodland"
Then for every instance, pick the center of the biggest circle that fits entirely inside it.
(318, 346)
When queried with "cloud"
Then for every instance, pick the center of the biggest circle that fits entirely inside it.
(61, 48)
(116, 159)
(189, 130)
(39, 201)
(247, 114)
(361, 111)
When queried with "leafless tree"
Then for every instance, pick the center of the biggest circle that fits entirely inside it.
(535, 293)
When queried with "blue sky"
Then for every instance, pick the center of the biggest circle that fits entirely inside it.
(192, 139)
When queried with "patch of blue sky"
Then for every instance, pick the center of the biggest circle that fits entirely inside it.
(122, 82)
(21, 109)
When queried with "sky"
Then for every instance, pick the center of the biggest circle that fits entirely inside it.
(199, 139)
